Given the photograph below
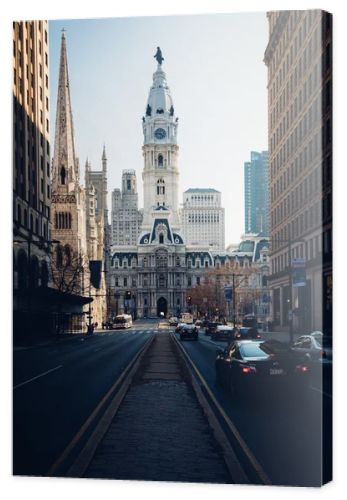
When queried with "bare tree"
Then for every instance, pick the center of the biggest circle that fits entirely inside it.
(68, 270)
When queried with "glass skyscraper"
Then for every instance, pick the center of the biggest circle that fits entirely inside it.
(256, 193)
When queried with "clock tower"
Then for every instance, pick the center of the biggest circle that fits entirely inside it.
(160, 152)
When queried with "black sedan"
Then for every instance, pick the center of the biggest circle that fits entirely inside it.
(223, 333)
(211, 327)
(251, 367)
(189, 332)
(246, 333)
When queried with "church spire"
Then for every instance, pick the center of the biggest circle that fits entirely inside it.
(65, 164)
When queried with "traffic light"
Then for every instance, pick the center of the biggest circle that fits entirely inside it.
(189, 300)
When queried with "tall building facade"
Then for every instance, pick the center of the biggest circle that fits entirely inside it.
(126, 217)
(202, 217)
(152, 276)
(98, 230)
(256, 193)
(31, 171)
(77, 214)
(298, 58)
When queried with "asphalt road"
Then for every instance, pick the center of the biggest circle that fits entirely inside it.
(57, 386)
(284, 434)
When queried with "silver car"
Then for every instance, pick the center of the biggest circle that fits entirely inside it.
(317, 347)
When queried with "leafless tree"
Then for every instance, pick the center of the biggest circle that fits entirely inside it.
(68, 270)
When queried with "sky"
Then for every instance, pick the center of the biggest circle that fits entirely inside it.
(215, 70)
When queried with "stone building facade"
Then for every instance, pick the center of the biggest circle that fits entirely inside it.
(78, 212)
(299, 62)
(152, 276)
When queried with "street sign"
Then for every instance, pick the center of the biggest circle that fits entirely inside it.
(298, 272)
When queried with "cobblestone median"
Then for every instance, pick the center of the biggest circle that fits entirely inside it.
(160, 432)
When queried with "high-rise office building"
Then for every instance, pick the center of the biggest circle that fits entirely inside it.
(256, 193)
(299, 62)
(31, 167)
(126, 218)
(203, 218)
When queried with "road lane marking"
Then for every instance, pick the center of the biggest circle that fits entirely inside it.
(124, 371)
(37, 376)
(321, 392)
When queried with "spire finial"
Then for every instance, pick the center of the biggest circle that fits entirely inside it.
(159, 56)
(104, 152)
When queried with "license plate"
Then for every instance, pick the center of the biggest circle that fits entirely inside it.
(276, 371)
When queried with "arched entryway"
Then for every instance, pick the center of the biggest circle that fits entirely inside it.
(161, 306)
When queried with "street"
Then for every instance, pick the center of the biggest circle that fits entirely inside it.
(58, 386)
(75, 375)
(285, 436)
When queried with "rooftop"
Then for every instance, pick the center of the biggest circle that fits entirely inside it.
(201, 190)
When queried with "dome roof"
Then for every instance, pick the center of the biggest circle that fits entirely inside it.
(159, 99)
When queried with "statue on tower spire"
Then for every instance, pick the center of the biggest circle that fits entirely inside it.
(159, 56)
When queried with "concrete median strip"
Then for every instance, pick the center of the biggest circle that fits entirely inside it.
(85, 456)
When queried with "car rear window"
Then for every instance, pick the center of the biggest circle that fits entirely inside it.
(253, 351)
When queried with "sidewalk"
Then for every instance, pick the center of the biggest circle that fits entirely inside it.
(281, 336)
(160, 432)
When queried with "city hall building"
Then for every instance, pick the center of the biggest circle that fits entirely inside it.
(152, 276)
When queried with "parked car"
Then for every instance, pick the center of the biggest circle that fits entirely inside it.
(211, 327)
(251, 367)
(246, 333)
(189, 332)
(179, 327)
(316, 347)
(198, 323)
(173, 321)
(223, 332)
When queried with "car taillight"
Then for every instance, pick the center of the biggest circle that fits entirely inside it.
(324, 354)
(301, 368)
(248, 369)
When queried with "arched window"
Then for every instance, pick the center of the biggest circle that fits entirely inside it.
(19, 214)
(34, 273)
(67, 251)
(160, 186)
(25, 218)
(44, 274)
(62, 175)
(160, 160)
(22, 270)
(59, 256)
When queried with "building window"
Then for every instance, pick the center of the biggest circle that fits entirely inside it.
(161, 238)
(160, 160)
(62, 175)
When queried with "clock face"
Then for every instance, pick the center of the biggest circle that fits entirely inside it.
(160, 133)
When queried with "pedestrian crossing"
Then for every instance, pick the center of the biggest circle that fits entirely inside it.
(129, 332)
